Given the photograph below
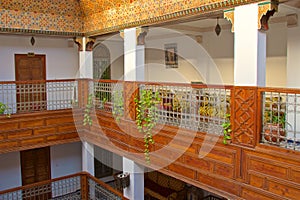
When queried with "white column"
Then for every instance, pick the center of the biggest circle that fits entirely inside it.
(249, 47)
(140, 63)
(85, 62)
(136, 189)
(134, 59)
(293, 57)
(293, 81)
(88, 158)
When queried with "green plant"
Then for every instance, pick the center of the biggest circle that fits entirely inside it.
(118, 107)
(275, 117)
(146, 107)
(87, 120)
(226, 129)
(5, 109)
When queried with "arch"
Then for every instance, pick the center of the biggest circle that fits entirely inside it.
(101, 62)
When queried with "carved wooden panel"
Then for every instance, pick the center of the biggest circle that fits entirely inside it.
(270, 172)
(26, 131)
(130, 93)
(244, 116)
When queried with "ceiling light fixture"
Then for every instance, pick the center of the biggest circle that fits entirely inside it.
(218, 28)
(32, 40)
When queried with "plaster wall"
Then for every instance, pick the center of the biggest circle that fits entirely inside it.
(65, 159)
(10, 170)
(62, 62)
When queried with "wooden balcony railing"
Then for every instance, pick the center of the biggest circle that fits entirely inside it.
(280, 110)
(258, 115)
(81, 186)
(31, 96)
(204, 108)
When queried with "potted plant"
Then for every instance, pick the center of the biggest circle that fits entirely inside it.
(274, 120)
(274, 126)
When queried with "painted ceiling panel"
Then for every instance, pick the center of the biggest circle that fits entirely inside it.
(58, 7)
(93, 6)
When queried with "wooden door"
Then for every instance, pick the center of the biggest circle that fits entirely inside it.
(35, 167)
(30, 96)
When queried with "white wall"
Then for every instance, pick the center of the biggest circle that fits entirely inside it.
(10, 170)
(275, 71)
(61, 61)
(115, 45)
(293, 63)
(193, 61)
(65, 159)
(221, 50)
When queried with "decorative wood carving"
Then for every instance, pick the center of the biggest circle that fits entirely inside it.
(265, 11)
(229, 15)
(89, 43)
(141, 33)
(131, 92)
(244, 116)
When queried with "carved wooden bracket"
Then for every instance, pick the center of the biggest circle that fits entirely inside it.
(89, 42)
(141, 33)
(229, 15)
(266, 9)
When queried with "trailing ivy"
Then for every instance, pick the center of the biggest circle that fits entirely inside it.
(4, 109)
(226, 129)
(87, 119)
(146, 108)
(118, 107)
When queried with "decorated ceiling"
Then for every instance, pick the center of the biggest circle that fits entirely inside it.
(94, 17)
(89, 7)
(41, 16)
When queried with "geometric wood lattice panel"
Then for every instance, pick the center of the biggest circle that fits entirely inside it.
(245, 116)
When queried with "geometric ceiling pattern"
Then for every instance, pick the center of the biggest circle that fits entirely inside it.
(44, 16)
(95, 6)
(94, 17)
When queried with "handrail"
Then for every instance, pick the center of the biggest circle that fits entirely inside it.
(42, 183)
(108, 187)
(80, 174)
(36, 81)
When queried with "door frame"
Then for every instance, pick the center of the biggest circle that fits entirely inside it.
(35, 55)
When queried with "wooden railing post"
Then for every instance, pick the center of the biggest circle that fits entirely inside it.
(131, 91)
(83, 92)
(244, 119)
(84, 186)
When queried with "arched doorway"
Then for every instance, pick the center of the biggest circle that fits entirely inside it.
(101, 62)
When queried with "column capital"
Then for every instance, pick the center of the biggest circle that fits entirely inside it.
(266, 9)
(84, 44)
(141, 33)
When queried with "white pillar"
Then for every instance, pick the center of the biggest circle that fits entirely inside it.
(85, 62)
(88, 158)
(293, 81)
(134, 59)
(136, 189)
(249, 47)
(293, 57)
(134, 56)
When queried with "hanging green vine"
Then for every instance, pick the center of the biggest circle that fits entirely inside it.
(87, 119)
(146, 108)
(118, 107)
(4, 109)
(226, 129)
